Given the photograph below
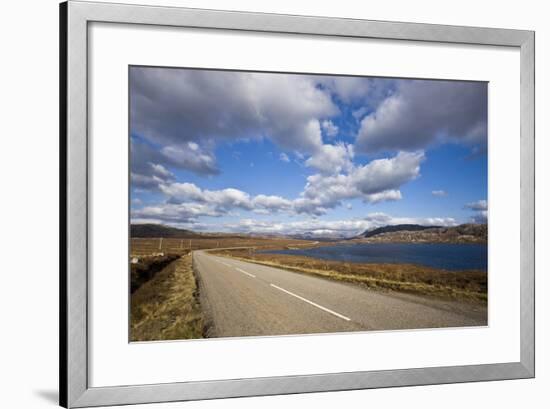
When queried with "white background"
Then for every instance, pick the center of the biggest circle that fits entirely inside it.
(116, 46)
(28, 172)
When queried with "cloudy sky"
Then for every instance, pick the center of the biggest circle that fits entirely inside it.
(293, 154)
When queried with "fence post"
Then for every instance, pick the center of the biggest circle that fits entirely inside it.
(160, 243)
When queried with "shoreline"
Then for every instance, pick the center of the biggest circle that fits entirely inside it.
(467, 285)
(338, 252)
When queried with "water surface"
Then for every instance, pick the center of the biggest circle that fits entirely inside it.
(443, 256)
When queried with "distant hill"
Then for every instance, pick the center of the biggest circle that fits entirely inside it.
(314, 237)
(394, 228)
(158, 230)
(412, 233)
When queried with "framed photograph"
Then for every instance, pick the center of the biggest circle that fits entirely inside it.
(259, 204)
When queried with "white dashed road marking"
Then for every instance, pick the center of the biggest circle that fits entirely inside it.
(311, 303)
(245, 272)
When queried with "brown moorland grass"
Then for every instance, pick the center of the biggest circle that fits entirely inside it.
(146, 268)
(462, 285)
(167, 306)
(147, 246)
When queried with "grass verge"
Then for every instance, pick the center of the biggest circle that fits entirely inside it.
(167, 306)
(146, 268)
(460, 285)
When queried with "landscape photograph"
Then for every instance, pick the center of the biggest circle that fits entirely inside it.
(270, 204)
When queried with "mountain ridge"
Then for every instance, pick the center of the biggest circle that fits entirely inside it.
(464, 233)
(395, 228)
(151, 230)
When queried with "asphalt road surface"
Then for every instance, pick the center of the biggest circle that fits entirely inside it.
(247, 299)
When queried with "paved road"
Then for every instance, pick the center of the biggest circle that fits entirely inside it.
(247, 299)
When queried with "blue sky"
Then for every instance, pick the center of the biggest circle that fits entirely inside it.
(304, 154)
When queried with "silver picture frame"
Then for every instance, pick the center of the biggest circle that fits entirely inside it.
(75, 16)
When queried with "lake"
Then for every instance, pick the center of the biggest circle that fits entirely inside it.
(443, 256)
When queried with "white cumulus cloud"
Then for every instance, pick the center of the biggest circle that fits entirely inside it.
(374, 182)
(480, 210)
(479, 205)
(420, 113)
(284, 157)
(379, 180)
(330, 129)
(327, 228)
(332, 158)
